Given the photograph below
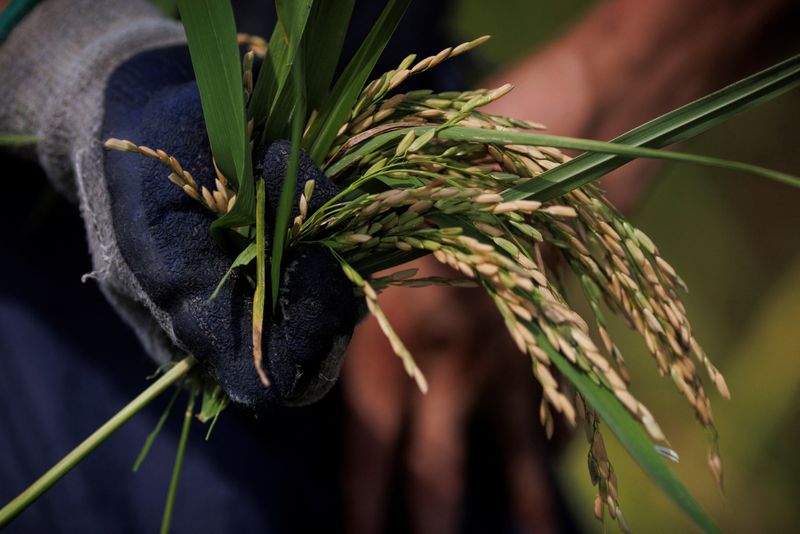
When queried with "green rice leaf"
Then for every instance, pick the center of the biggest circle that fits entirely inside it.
(350, 83)
(289, 183)
(148, 443)
(176, 469)
(678, 125)
(261, 278)
(599, 147)
(244, 258)
(458, 133)
(271, 101)
(214, 420)
(323, 46)
(211, 33)
(630, 435)
(17, 139)
(214, 402)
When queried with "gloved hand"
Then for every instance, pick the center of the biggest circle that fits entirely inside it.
(152, 251)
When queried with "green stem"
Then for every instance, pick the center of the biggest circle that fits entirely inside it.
(152, 436)
(27, 497)
(176, 469)
(289, 182)
(17, 139)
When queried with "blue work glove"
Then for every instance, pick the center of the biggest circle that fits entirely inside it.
(119, 69)
(163, 236)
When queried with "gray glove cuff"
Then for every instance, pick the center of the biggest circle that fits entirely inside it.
(53, 72)
(55, 65)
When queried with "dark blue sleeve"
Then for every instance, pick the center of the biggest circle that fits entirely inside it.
(67, 363)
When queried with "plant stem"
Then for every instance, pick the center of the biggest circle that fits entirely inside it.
(152, 437)
(17, 140)
(27, 497)
(289, 181)
(176, 469)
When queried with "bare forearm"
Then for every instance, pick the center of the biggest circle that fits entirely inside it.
(648, 56)
(630, 60)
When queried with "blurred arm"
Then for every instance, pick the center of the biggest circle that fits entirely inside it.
(630, 60)
(623, 64)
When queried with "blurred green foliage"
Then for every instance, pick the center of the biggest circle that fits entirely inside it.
(734, 239)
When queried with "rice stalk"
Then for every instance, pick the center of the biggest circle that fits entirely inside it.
(425, 177)
(409, 188)
(166, 520)
(175, 373)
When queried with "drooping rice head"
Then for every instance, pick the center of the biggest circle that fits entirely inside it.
(412, 193)
(408, 191)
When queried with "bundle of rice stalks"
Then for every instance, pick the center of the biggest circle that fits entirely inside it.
(425, 173)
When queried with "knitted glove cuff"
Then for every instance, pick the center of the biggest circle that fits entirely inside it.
(54, 68)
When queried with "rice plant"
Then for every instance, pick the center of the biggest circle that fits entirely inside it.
(423, 173)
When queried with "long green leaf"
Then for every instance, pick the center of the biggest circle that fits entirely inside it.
(289, 183)
(613, 148)
(285, 106)
(271, 100)
(76, 455)
(244, 258)
(350, 83)
(211, 34)
(630, 435)
(323, 46)
(457, 133)
(678, 125)
(166, 519)
(214, 402)
(151, 437)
